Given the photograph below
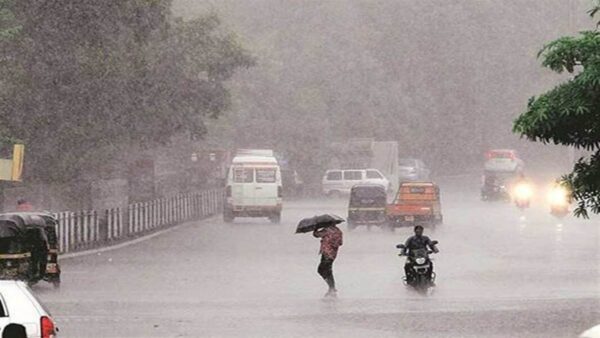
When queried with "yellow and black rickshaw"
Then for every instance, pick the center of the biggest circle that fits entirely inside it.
(367, 206)
(52, 274)
(42, 242)
(15, 253)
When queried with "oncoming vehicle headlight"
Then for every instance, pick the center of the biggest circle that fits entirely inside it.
(523, 191)
(420, 260)
(558, 196)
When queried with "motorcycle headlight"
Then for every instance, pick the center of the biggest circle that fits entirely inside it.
(420, 260)
(523, 191)
(558, 196)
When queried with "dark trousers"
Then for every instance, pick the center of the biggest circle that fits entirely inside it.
(326, 271)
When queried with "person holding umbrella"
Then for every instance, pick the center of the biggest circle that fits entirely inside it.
(325, 228)
(331, 239)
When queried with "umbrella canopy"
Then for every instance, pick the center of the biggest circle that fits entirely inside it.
(317, 222)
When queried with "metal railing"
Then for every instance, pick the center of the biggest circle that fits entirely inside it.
(84, 230)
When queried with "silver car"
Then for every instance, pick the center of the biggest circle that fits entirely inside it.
(411, 169)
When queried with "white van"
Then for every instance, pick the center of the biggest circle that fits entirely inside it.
(340, 181)
(254, 187)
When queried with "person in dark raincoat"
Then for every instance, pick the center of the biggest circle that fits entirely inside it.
(331, 239)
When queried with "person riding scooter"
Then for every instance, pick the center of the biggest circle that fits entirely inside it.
(522, 192)
(560, 199)
(494, 187)
(414, 243)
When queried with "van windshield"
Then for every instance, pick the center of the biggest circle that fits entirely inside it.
(266, 175)
(243, 175)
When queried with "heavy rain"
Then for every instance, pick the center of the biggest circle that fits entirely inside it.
(172, 153)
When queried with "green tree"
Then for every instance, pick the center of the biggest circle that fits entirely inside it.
(569, 114)
(92, 78)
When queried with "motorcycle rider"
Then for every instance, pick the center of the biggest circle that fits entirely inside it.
(490, 182)
(522, 192)
(416, 242)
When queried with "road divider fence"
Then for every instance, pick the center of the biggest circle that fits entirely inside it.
(83, 230)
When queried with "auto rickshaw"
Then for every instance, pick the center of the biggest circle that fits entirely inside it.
(15, 253)
(41, 240)
(367, 206)
(417, 203)
(52, 267)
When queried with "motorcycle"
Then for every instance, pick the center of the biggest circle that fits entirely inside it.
(421, 275)
(495, 193)
(522, 194)
(559, 201)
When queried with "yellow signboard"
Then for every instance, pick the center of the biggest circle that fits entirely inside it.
(12, 169)
(17, 162)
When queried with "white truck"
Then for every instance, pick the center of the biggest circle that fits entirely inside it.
(254, 187)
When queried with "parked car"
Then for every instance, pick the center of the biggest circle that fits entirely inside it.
(411, 169)
(503, 160)
(340, 181)
(19, 309)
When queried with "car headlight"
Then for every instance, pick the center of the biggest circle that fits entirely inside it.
(420, 260)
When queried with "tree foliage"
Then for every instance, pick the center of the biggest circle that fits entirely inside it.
(569, 114)
(94, 78)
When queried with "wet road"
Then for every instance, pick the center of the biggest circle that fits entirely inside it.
(500, 274)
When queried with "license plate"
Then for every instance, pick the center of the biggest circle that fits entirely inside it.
(409, 218)
(51, 268)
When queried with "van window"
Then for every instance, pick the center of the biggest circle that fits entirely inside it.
(373, 174)
(352, 175)
(334, 176)
(243, 175)
(266, 175)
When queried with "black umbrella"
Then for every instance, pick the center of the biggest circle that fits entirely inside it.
(317, 222)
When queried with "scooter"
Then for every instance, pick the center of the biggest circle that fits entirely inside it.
(421, 276)
(495, 193)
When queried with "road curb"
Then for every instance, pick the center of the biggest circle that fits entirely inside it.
(129, 243)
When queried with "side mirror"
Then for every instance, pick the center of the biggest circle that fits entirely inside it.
(400, 246)
(434, 242)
